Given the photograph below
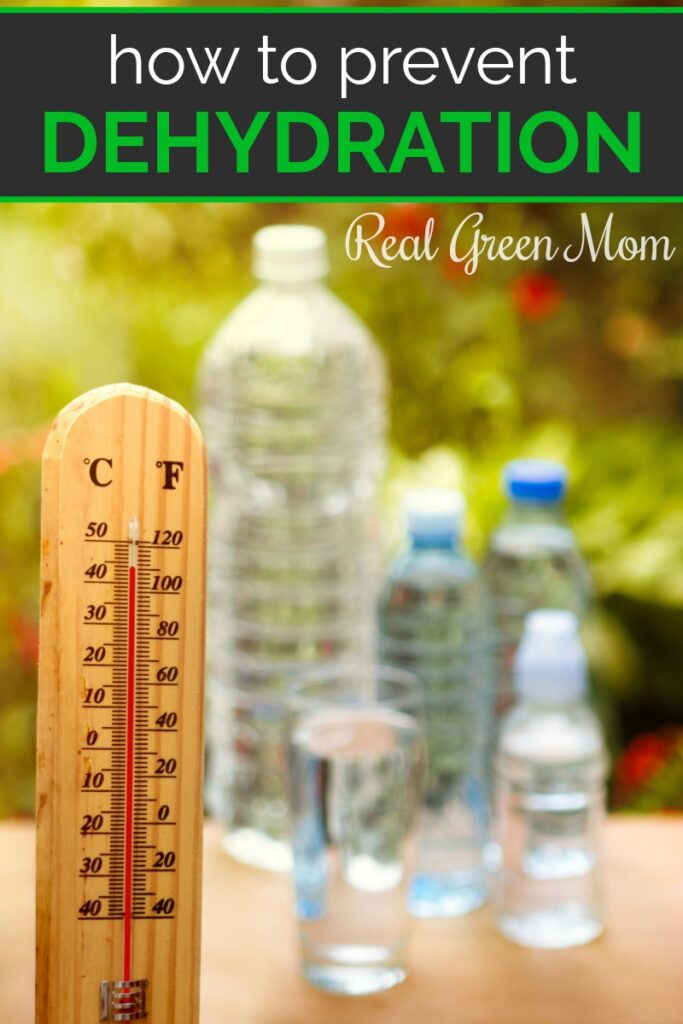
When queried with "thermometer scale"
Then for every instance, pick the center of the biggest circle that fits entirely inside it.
(119, 789)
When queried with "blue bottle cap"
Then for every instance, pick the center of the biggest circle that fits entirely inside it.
(535, 480)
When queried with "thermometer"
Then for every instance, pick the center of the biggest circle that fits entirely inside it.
(120, 708)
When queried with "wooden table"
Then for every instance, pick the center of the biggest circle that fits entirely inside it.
(462, 971)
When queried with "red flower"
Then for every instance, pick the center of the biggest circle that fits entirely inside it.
(536, 296)
(642, 759)
(25, 634)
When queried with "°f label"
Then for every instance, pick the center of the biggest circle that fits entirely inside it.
(119, 790)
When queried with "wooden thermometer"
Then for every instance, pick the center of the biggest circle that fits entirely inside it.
(119, 795)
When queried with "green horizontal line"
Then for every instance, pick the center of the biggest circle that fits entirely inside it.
(341, 199)
(341, 10)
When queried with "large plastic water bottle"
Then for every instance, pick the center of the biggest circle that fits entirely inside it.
(533, 560)
(433, 620)
(550, 773)
(293, 415)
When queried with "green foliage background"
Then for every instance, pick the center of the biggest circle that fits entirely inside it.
(583, 363)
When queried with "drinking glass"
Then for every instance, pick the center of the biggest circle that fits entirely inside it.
(356, 765)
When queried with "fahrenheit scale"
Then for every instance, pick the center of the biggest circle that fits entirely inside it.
(119, 801)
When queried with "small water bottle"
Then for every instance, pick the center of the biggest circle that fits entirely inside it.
(533, 560)
(549, 796)
(433, 620)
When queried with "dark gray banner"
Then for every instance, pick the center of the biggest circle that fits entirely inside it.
(306, 104)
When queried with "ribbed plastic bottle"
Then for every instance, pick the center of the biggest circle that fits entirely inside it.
(433, 620)
(293, 414)
(549, 794)
(532, 562)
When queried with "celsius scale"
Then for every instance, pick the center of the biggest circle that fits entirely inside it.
(120, 753)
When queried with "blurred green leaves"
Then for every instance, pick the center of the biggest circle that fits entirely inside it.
(581, 362)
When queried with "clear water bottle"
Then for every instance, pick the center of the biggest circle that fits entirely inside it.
(293, 389)
(550, 771)
(533, 560)
(433, 620)
(293, 415)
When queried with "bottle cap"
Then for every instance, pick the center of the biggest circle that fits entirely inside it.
(550, 666)
(535, 480)
(434, 514)
(289, 252)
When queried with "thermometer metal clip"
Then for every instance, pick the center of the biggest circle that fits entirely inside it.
(123, 1000)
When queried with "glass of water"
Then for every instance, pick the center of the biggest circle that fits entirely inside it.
(356, 765)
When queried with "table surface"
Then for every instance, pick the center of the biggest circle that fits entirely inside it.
(462, 971)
